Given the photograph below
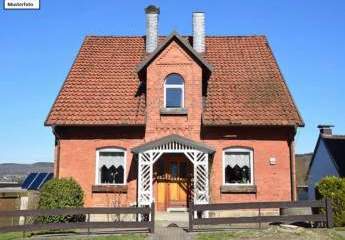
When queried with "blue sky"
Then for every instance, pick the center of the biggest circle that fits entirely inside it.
(37, 49)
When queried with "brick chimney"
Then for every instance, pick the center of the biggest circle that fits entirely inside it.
(325, 129)
(152, 13)
(199, 31)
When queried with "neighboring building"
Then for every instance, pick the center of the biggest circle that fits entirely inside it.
(302, 168)
(328, 158)
(174, 119)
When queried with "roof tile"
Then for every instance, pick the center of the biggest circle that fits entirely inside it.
(245, 87)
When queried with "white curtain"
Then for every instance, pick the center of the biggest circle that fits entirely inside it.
(237, 158)
(111, 158)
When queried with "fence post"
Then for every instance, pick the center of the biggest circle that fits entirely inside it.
(329, 213)
(259, 217)
(190, 216)
(24, 224)
(152, 223)
(88, 221)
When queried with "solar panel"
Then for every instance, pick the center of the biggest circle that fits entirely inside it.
(38, 181)
(28, 180)
(48, 177)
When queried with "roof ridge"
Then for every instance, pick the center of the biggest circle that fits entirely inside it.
(114, 36)
(340, 137)
(207, 36)
(237, 36)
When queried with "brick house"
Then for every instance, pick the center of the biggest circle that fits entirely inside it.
(174, 119)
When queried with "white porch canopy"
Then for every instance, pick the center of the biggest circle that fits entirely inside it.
(149, 153)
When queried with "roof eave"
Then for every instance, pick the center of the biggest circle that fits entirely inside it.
(217, 124)
(47, 124)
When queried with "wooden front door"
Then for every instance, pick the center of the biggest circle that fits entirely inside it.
(173, 183)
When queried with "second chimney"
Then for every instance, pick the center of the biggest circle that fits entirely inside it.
(199, 31)
(152, 13)
(325, 129)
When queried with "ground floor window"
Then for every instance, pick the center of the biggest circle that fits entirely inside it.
(110, 166)
(238, 166)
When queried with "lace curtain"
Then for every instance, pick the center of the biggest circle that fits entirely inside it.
(237, 158)
(109, 159)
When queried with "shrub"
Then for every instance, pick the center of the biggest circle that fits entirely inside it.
(61, 193)
(334, 189)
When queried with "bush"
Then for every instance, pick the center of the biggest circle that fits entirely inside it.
(61, 193)
(334, 189)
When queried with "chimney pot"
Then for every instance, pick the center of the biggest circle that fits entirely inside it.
(199, 31)
(325, 129)
(152, 13)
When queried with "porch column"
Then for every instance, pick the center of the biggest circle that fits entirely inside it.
(145, 176)
(144, 179)
(201, 178)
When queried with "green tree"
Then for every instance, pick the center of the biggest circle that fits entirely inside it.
(61, 193)
(334, 189)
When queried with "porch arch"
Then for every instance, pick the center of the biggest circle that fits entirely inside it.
(149, 153)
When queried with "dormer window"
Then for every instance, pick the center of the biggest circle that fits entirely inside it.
(174, 91)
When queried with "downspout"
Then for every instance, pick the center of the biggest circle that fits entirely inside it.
(56, 154)
(293, 167)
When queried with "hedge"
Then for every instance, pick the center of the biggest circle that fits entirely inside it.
(61, 193)
(334, 189)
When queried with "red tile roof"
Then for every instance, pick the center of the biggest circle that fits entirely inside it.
(245, 87)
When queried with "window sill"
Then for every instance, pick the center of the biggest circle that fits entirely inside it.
(109, 188)
(238, 189)
(173, 111)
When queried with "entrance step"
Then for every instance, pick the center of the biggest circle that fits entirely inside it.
(172, 217)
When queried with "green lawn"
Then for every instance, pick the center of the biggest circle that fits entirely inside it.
(12, 236)
(275, 233)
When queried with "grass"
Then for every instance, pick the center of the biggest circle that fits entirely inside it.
(275, 233)
(12, 236)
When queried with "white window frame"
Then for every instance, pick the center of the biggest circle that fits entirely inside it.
(239, 150)
(175, 86)
(111, 149)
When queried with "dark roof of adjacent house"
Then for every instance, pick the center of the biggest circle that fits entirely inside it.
(302, 168)
(335, 145)
(245, 87)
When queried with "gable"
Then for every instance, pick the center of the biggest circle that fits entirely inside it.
(183, 44)
(322, 164)
(173, 54)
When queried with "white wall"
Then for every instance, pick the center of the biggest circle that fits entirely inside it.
(322, 166)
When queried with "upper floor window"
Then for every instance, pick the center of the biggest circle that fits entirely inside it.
(238, 166)
(110, 166)
(174, 91)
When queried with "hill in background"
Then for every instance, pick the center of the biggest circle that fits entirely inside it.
(17, 172)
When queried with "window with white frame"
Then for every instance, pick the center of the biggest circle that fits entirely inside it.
(238, 166)
(110, 166)
(174, 91)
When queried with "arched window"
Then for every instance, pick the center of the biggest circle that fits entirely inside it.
(110, 166)
(174, 91)
(238, 166)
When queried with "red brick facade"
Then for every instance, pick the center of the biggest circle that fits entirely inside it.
(76, 148)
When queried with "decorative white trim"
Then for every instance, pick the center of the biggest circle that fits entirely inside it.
(175, 86)
(111, 149)
(241, 150)
(149, 157)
